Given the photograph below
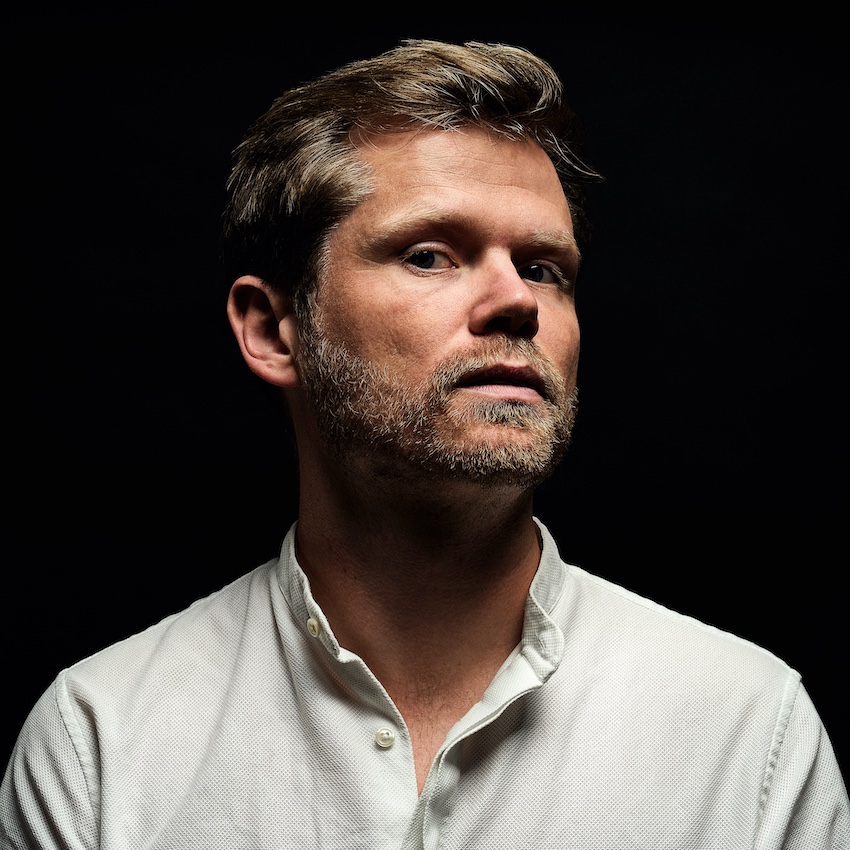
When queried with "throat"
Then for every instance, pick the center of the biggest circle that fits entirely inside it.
(430, 711)
(445, 601)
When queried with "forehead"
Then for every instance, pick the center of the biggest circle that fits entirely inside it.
(465, 174)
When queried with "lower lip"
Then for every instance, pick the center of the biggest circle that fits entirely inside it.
(506, 392)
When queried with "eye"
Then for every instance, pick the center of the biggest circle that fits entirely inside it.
(428, 259)
(538, 273)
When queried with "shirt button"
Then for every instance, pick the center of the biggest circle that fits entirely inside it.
(385, 738)
(314, 627)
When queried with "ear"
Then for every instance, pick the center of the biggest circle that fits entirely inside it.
(264, 324)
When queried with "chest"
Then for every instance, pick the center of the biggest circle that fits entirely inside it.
(511, 784)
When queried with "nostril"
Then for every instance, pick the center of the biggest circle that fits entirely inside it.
(528, 329)
(499, 324)
(517, 326)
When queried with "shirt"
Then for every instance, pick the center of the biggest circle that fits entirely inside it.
(242, 723)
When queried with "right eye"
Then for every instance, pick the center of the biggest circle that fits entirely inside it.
(428, 259)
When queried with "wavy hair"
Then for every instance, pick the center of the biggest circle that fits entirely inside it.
(297, 172)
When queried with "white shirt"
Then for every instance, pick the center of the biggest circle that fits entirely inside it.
(241, 723)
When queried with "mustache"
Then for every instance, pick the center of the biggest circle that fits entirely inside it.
(493, 351)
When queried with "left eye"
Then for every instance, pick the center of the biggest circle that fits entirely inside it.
(538, 273)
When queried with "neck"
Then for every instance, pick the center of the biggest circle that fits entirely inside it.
(444, 568)
(425, 581)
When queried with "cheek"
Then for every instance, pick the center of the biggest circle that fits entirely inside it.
(561, 344)
(414, 339)
(414, 325)
(376, 324)
(562, 349)
(571, 361)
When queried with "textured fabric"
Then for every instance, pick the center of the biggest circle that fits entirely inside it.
(240, 723)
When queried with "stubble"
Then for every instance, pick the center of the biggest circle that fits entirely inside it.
(364, 412)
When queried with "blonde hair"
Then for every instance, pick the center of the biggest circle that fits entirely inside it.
(297, 172)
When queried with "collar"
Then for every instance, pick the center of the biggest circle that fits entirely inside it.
(542, 642)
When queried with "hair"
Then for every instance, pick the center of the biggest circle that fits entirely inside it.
(297, 172)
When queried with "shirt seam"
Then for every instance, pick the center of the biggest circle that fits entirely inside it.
(75, 736)
(786, 708)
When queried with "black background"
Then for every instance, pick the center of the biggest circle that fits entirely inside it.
(146, 465)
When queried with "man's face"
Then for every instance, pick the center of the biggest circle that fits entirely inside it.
(445, 339)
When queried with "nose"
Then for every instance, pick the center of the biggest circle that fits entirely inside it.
(504, 303)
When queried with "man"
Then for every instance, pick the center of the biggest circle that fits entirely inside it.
(419, 669)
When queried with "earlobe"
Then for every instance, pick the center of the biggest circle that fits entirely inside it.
(264, 325)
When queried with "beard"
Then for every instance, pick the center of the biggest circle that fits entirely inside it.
(364, 412)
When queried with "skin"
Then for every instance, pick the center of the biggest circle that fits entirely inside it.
(465, 238)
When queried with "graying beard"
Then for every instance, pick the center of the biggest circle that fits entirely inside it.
(354, 415)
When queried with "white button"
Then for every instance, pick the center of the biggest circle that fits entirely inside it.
(385, 738)
(314, 627)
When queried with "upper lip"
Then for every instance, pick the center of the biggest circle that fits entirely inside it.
(519, 376)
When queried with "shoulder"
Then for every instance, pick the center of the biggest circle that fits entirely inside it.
(141, 681)
(635, 644)
(135, 704)
(671, 668)
(193, 639)
(633, 623)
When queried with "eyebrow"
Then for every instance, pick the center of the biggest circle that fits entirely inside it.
(559, 240)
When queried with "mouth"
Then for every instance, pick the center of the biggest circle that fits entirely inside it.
(520, 383)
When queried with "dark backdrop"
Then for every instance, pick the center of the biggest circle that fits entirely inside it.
(145, 463)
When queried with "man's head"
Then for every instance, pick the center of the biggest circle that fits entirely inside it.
(444, 338)
(298, 172)
(403, 235)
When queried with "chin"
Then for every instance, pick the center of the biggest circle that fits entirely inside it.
(512, 458)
